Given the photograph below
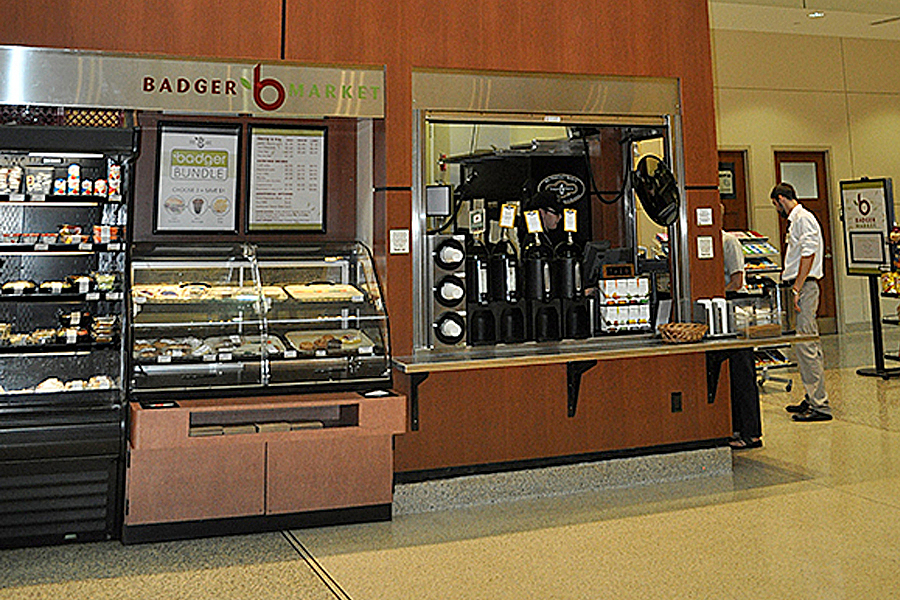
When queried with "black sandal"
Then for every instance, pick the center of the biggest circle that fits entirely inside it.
(743, 443)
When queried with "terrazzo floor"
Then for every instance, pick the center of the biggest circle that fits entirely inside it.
(813, 514)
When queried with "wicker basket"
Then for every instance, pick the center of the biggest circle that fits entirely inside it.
(682, 333)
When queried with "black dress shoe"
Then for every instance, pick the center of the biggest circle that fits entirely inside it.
(798, 408)
(812, 415)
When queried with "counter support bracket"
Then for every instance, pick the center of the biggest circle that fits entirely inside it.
(574, 371)
(714, 362)
(414, 380)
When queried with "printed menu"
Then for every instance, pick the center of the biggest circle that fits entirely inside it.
(287, 179)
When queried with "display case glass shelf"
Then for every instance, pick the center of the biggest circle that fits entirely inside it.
(760, 256)
(257, 317)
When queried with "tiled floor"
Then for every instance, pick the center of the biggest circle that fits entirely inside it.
(813, 514)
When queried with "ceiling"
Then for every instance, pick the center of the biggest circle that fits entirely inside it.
(874, 19)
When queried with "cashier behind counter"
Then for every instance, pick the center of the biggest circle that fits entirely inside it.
(551, 211)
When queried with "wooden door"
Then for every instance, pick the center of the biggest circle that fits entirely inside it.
(733, 189)
(806, 171)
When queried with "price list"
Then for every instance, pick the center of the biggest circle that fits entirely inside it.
(287, 179)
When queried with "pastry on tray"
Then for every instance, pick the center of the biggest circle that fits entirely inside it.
(50, 385)
(55, 287)
(325, 292)
(339, 340)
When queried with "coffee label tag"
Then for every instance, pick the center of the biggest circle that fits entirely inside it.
(570, 220)
(533, 221)
(508, 216)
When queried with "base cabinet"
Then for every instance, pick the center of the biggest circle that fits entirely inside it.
(311, 474)
(208, 467)
(186, 484)
(58, 500)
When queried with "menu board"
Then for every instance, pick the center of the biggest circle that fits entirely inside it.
(198, 170)
(867, 209)
(287, 179)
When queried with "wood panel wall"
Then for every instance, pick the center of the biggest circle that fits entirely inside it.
(521, 414)
(597, 37)
(624, 38)
(195, 28)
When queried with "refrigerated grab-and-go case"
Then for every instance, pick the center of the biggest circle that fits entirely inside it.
(63, 212)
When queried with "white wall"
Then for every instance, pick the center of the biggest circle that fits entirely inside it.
(838, 95)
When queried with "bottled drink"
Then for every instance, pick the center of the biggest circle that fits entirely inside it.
(504, 271)
(568, 268)
(537, 258)
(477, 271)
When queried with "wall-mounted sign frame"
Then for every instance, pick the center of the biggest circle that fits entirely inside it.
(287, 179)
(198, 171)
(79, 78)
(726, 181)
(867, 209)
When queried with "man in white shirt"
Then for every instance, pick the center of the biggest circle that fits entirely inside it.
(733, 256)
(802, 271)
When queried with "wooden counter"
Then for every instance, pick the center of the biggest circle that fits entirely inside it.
(491, 407)
(571, 351)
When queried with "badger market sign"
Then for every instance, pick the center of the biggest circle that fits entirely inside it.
(49, 77)
(867, 214)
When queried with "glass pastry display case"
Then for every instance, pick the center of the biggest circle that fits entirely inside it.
(208, 320)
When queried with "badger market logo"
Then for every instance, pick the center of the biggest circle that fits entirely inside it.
(260, 84)
(269, 93)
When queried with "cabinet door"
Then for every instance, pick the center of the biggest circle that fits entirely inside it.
(183, 484)
(326, 473)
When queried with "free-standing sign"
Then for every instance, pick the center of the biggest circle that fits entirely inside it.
(196, 188)
(868, 214)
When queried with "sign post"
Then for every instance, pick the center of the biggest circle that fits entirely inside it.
(867, 214)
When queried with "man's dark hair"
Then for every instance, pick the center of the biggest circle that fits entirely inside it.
(784, 189)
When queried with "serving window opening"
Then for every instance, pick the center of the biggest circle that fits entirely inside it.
(537, 232)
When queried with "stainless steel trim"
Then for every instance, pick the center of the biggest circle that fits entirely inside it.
(543, 119)
(550, 99)
(553, 94)
(489, 357)
(681, 257)
(77, 78)
(422, 277)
